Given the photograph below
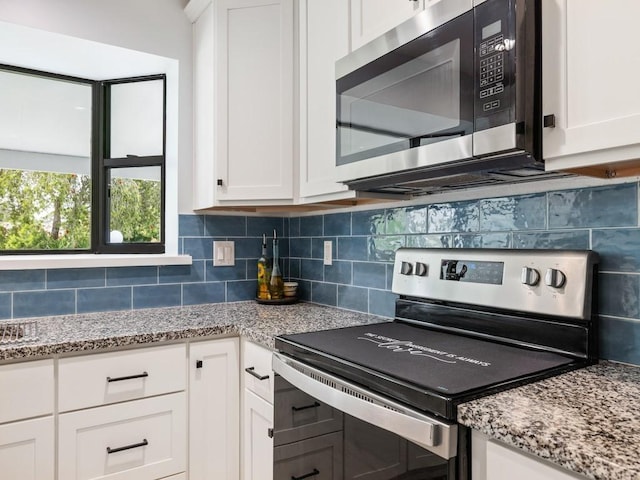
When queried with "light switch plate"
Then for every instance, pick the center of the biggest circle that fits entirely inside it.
(328, 247)
(224, 254)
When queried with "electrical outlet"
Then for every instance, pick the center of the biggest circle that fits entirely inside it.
(328, 247)
(224, 254)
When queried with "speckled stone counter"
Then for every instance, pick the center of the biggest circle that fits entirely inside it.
(259, 323)
(587, 421)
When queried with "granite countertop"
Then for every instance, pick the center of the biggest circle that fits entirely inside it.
(259, 323)
(587, 420)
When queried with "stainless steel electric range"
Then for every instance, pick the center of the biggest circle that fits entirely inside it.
(379, 401)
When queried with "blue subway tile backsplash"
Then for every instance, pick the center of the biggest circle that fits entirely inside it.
(44, 303)
(337, 224)
(76, 278)
(619, 249)
(104, 299)
(353, 298)
(148, 296)
(5, 306)
(364, 242)
(14, 281)
(594, 207)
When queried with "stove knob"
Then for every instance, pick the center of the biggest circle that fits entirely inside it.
(406, 268)
(554, 278)
(530, 276)
(421, 269)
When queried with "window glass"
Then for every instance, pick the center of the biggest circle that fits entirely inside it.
(137, 119)
(81, 163)
(45, 162)
(135, 209)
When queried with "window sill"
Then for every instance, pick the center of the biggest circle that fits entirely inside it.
(35, 262)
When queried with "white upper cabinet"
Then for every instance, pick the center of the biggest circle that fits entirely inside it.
(590, 85)
(324, 38)
(371, 18)
(243, 97)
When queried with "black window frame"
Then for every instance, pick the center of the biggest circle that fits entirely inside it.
(102, 164)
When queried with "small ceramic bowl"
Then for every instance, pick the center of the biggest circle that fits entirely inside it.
(290, 289)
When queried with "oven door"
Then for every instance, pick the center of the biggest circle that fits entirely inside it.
(327, 428)
(411, 107)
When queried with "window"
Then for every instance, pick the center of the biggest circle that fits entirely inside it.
(82, 163)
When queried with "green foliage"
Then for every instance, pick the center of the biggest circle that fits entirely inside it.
(135, 209)
(52, 211)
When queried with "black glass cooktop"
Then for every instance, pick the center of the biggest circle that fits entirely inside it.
(426, 368)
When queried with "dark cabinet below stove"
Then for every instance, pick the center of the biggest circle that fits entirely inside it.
(317, 458)
(299, 416)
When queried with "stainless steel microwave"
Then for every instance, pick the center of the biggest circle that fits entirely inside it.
(451, 98)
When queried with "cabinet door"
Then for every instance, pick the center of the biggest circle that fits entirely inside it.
(257, 444)
(371, 18)
(257, 375)
(31, 393)
(204, 171)
(87, 381)
(504, 463)
(214, 409)
(590, 87)
(299, 416)
(319, 458)
(138, 440)
(324, 38)
(254, 99)
(27, 450)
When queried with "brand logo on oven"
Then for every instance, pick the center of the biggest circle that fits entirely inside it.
(407, 346)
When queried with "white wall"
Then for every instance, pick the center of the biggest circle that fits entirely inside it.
(153, 26)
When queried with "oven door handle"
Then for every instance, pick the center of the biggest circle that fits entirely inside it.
(432, 434)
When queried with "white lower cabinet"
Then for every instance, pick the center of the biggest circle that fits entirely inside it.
(492, 460)
(26, 390)
(27, 450)
(27, 443)
(257, 412)
(131, 415)
(214, 410)
(257, 458)
(137, 440)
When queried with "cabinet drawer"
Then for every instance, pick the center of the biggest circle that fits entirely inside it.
(257, 374)
(319, 458)
(26, 390)
(298, 415)
(105, 378)
(139, 440)
(27, 450)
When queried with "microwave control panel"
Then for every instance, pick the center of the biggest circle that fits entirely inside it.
(494, 42)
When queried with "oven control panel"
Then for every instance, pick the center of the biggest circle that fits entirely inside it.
(552, 282)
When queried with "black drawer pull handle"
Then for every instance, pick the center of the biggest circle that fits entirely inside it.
(306, 407)
(130, 377)
(310, 474)
(251, 371)
(143, 443)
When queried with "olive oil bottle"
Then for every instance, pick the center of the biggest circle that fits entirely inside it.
(276, 283)
(264, 273)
